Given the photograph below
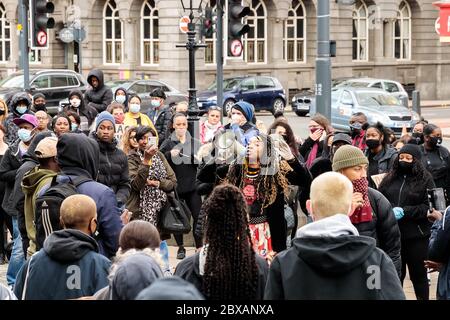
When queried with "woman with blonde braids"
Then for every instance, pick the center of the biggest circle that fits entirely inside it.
(263, 177)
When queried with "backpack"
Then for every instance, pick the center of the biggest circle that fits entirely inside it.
(46, 219)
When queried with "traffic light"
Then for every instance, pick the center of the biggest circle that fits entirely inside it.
(208, 23)
(40, 22)
(236, 29)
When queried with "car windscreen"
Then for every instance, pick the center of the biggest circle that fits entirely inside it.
(377, 99)
(13, 81)
(228, 84)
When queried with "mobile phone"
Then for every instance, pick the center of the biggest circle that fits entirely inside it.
(436, 199)
(152, 141)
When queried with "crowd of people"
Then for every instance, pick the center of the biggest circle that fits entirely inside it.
(364, 195)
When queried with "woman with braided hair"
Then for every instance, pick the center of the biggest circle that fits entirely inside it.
(226, 268)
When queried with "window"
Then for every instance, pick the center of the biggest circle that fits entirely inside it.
(149, 33)
(5, 36)
(72, 81)
(294, 48)
(346, 98)
(377, 85)
(59, 81)
(391, 87)
(360, 42)
(248, 84)
(265, 83)
(210, 41)
(112, 33)
(139, 88)
(255, 40)
(402, 33)
(42, 82)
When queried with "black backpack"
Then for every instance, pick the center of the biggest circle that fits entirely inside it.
(46, 219)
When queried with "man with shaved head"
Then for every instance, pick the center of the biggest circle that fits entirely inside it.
(328, 258)
(69, 265)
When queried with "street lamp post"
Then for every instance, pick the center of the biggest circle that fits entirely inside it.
(192, 46)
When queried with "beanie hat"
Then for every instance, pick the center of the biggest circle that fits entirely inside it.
(246, 109)
(170, 288)
(105, 116)
(348, 156)
(413, 150)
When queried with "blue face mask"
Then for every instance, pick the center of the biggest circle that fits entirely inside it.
(156, 103)
(120, 99)
(74, 126)
(24, 135)
(135, 108)
(21, 109)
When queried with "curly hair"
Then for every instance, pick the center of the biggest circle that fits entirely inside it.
(231, 272)
(382, 130)
(290, 137)
(272, 174)
(127, 148)
(419, 174)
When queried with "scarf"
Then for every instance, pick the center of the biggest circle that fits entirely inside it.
(210, 130)
(364, 213)
(312, 155)
(359, 142)
(153, 199)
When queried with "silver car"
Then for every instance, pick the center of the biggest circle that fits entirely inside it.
(391, 86)
(376, 104)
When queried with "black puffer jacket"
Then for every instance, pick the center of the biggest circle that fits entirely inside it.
(113, 169)
(411, 195)
(383, 227)
(101, 97)
(86, 113)
(161, 122)
(11, 161)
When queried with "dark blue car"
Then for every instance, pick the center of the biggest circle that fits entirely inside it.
(265, 93)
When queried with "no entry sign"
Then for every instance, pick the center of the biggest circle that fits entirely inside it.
(184, 22)
(41, 38)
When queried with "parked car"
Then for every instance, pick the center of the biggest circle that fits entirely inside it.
(376, 104)
(55, 84)
(390, 86)
(265, 93)
(302, 101)
(143, 88)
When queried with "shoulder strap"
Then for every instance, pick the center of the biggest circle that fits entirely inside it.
(80, 180)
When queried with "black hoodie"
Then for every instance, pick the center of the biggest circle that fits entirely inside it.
(11, 128)
(68, 267)
(347, 267)
(87, 114)
(100, 97)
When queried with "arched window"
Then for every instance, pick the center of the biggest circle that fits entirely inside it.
(402, 33)
(360, 43)
(149, 33)
(112, 33)
(255, 41)
(5, 36)
(294, 32)
(210, 41)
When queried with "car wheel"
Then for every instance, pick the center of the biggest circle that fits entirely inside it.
(227, 106)
(301, 114)
(278, 105)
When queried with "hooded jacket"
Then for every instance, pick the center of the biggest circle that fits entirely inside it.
(161, 122)
(439, 251)
(384, 160)
(243, 133)
(11, 128)
(87, 113)
(125, 104)
(78, 156)
(67, 267)
(113, 169)
(32, 183)
(329, 260)
(101, 97)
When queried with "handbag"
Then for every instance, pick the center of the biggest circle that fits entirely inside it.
(175, 216)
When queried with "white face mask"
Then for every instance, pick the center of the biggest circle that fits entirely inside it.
(120, 99)
(75, 102)
(235, 118)
(135, 107)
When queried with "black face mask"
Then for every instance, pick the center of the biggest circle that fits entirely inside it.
(354, 132)
(372, 143)
(39, 107)
(418, 137)
(405, 167)
(435, 141)
(2, 112)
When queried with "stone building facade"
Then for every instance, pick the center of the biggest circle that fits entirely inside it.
(393, 39)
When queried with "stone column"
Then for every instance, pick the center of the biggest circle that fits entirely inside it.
(131, 39)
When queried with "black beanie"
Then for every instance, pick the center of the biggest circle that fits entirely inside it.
(411, 149)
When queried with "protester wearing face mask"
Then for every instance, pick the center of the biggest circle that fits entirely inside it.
(11, 162)
(179, 150)
(20, 104)
(75, 122)
(121, 96)
(313, 146)
(86, 113)
(380, 154)
(371, 212)
(159, 113)
(417, 133)
(405, 187)
(118, 112)
(436, 158)
(134, 116)
(241, 122)
(358, 124)
(39, 103)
